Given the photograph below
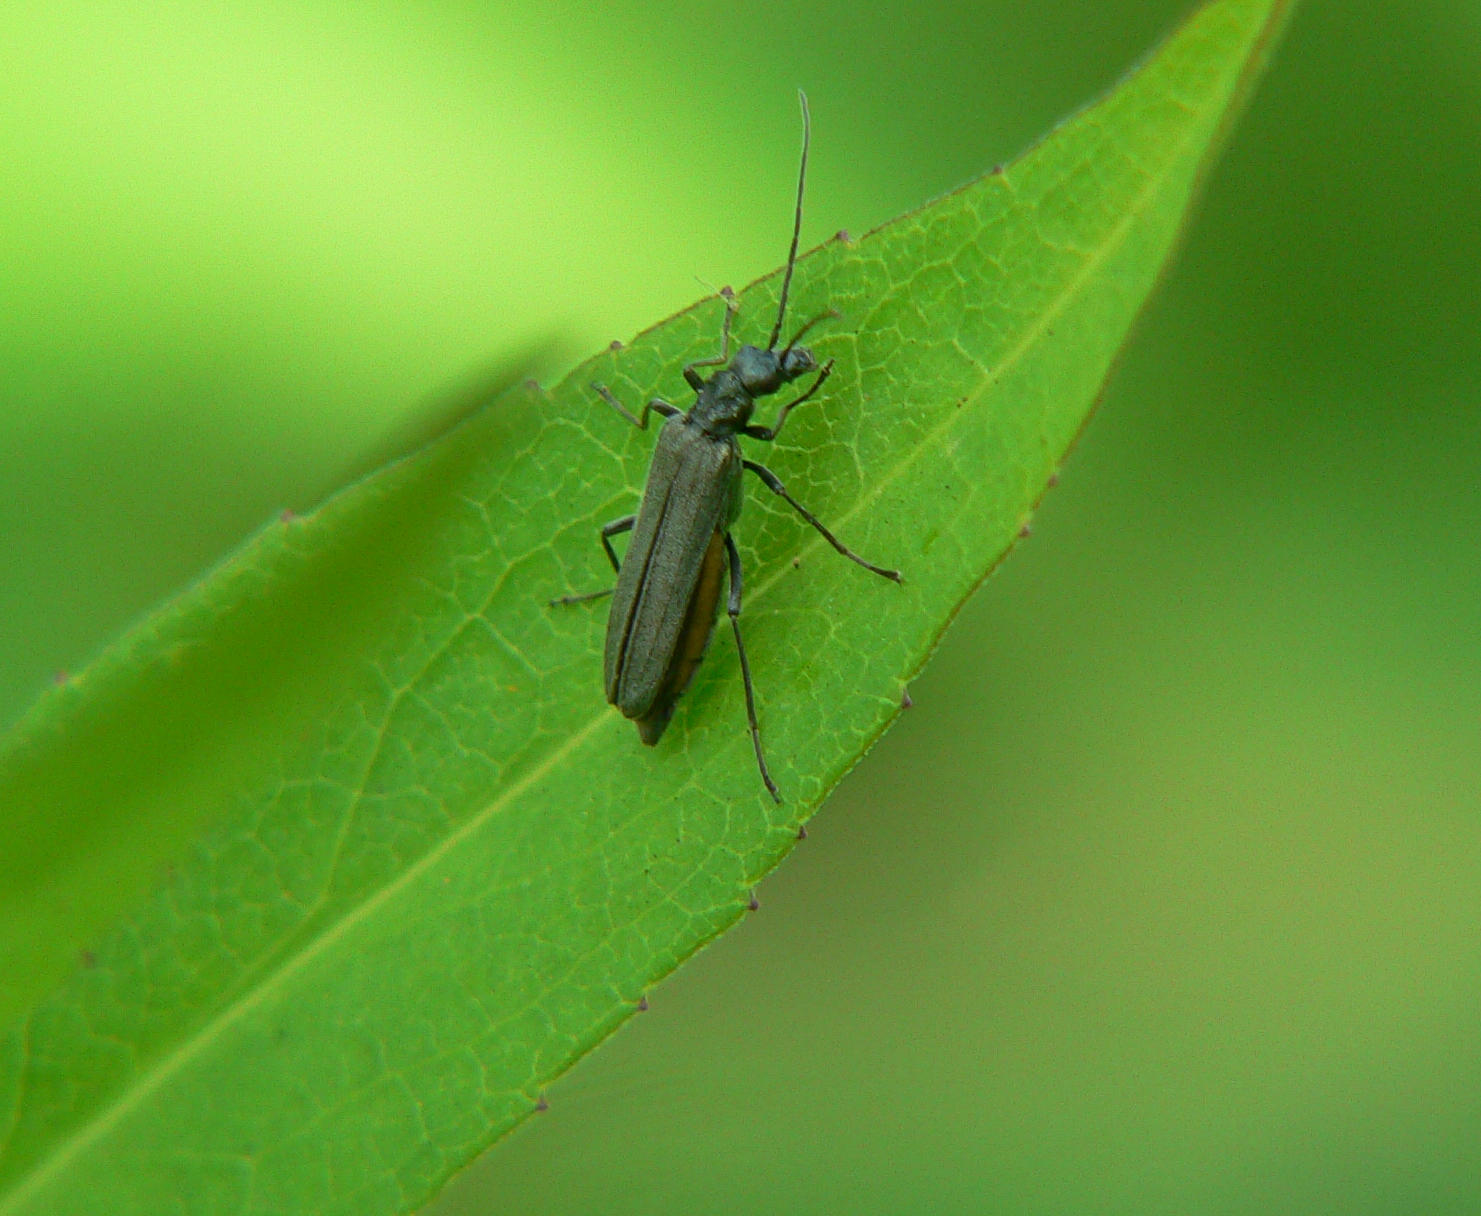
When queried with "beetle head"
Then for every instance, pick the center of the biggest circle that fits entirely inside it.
(797, 361)
(762, 372)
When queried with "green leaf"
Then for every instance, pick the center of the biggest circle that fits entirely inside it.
(440, 869)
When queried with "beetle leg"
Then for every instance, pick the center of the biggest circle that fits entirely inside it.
(734, 609)
(773, 483)
(656, 406)
(616, 528)
(694, 379)
(769, 433)
(563, 600)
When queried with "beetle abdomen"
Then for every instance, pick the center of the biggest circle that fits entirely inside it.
(671, 566)
(694, 638)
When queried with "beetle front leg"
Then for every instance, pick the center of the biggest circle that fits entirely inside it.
(769, 433)
(774, 484)
(657, 406)
(734, 609)
(616, 528)
(692, 377)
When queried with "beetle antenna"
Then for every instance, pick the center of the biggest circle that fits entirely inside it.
(829, 315)
(776, 330)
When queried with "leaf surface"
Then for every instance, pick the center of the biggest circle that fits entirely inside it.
(441, 869)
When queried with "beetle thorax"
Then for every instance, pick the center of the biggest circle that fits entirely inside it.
(724, 406)
(759, 371)
(729, 396)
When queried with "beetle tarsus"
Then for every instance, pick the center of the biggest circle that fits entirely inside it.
(564, 600)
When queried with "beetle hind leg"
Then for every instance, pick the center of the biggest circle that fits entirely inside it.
(734, 609)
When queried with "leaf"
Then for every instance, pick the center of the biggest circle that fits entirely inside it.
(441, 869)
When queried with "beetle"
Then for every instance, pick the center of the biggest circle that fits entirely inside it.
(667, 598)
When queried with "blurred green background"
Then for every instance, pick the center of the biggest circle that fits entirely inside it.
(1165, 896)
